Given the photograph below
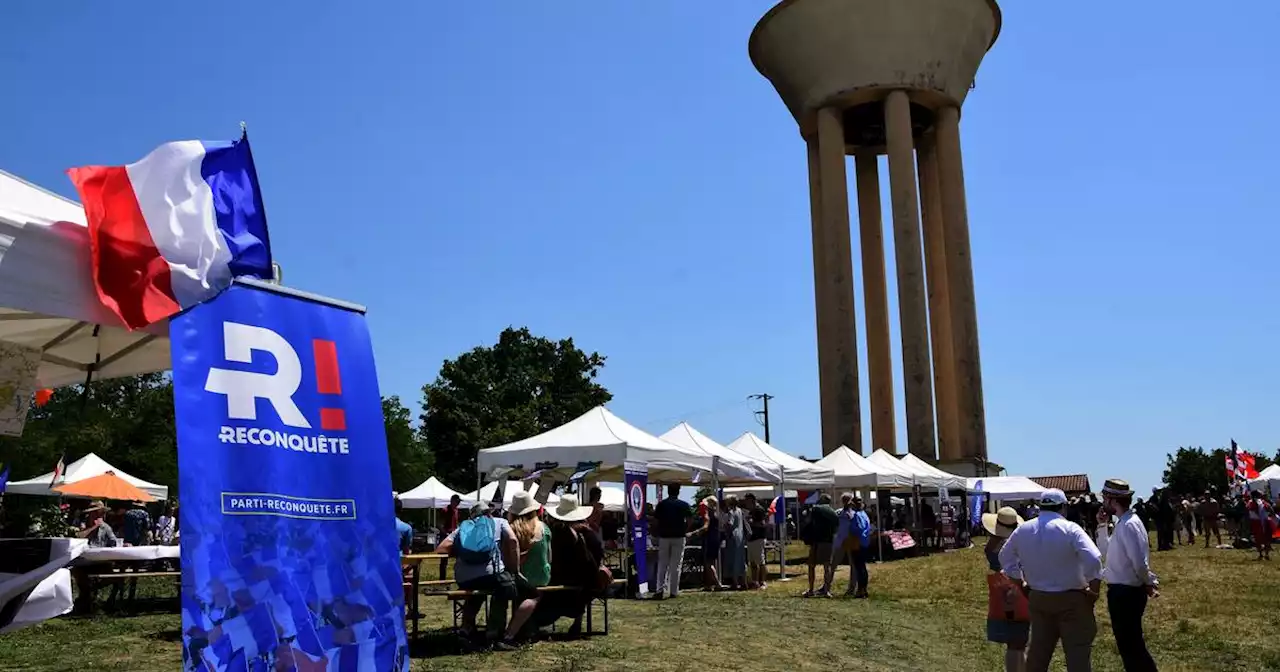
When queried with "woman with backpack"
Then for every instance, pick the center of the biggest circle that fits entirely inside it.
(486, 553)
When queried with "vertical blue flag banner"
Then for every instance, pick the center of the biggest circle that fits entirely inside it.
(976, 504)
(636, 475)
(290, 559)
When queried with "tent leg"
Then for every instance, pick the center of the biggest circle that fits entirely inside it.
(782, 548)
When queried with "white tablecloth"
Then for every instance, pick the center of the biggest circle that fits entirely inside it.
(50, 598)
(137, 553)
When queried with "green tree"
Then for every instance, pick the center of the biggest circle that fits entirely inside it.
(1194, 470)
(411, 463)
(521, 386)
(126, 421)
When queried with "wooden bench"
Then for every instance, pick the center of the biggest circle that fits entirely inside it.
(458, 599)
(124, 575)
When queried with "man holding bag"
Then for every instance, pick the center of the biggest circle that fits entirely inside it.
(851, 537)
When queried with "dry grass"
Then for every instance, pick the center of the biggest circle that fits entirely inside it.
(924, 614)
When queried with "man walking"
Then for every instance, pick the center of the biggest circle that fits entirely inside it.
(672, 515)
(1130, 582)
(1209, 512)
(1060, 568)
(819, 533)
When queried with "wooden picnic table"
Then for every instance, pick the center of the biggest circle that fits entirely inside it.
(413, 563)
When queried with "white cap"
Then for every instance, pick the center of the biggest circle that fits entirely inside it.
(1053, 497)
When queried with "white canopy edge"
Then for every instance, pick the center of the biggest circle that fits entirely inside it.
(86, 467)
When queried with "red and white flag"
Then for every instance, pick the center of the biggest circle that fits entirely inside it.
(57, 472)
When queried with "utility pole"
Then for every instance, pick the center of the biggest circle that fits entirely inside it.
(763, 414)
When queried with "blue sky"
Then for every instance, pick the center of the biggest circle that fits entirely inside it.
(618, 173)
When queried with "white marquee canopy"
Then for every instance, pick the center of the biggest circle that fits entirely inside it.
(796, 472)
(86, 467)
(47, 296)
(855, 471)
(731, 467)
(1006, 487)
(596, 436)
(930, 476)
(432, 494)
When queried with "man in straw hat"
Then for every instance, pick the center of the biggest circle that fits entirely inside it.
(96, 529)
(1130, 581)
(1061, 570)
(1008, 620)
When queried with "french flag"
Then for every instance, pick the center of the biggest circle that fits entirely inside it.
(173, 229)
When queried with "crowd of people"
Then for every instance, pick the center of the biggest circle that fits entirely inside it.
(730, 534)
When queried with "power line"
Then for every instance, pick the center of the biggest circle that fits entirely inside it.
(762, 416)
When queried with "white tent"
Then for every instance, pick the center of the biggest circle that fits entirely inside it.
(596, 436)
(432, 494)
(796, 472)
(1268, 481)
(485, 494)
(47, 295)
(86, 467)
(1005, 487)
(731, 467)
(931, 476)
(855, 471)
(885, 460)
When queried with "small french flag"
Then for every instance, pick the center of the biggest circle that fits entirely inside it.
(173, 229)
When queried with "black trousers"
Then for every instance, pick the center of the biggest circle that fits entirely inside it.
(1126, 605)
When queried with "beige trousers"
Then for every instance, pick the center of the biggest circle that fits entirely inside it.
(1066, 617)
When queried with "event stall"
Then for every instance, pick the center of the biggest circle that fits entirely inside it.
(855, 471)
(885, 460)
(731, 467)
(485, 495)
(930, 476)
(1009, 488)
(82, 469)
(796, 473)
(47, 296)
(600, 441)
(1268, 481)
(432, 494)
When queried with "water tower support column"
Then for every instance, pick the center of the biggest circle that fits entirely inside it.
(917, 381)
(876, 303)
(935, 263)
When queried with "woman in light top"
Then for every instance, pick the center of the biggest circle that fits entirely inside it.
(534, 538)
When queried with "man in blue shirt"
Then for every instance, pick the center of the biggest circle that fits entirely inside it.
(403, 530)
(860, 529)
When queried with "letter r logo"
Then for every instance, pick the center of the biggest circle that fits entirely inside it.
(244, 388)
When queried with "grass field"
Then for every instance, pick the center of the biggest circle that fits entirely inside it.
(924, 614)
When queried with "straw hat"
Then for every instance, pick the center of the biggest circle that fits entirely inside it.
(522, 503)
(1001, 523)
(1117, 488)
(95, 505)
(570, 511)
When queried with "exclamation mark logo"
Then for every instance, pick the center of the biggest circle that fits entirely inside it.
(329, 381)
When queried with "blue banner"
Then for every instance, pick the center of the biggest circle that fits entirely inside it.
(976, 503)
(290, 559)
(636, 476)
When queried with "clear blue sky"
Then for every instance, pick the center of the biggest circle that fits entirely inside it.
(618, 173)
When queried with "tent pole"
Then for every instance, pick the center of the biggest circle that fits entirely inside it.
(782, 550)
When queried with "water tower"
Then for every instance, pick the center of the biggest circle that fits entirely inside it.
(865, 78)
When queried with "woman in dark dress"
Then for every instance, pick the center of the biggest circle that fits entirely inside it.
(577, 558)
(710, 533)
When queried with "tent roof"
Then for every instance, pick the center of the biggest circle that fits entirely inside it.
(885, 460)
(923, 470)
(1266, 475)
(86, 467)
(47, 297)
(796, 472)
(733, 467)
(1006, 487)
(431, 494)
(596, 436)
(855, 471)
(485, 494)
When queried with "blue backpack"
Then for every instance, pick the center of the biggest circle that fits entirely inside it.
(476, 543)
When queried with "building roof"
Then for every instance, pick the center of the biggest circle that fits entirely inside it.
(1069, 484)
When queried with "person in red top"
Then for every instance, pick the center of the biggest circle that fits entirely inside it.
(597, 510)
(1008, 614)
(1260, 514)
(449, 524)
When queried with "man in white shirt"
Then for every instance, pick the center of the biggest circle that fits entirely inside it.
(1130, 582)
(1061, 570)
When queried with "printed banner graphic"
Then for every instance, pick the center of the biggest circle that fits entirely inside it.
(19, 366)
(290, 559)
(636, 475)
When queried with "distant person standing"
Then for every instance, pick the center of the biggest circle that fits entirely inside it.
(1210, 510)
(1130, 581)
(404, 531)
(672, 515)
(1260, 523)
(1008, 618)
(819, 533)
(597, 510)
(1061, 568)
(447, 526)
(735, 542)
(137, 525)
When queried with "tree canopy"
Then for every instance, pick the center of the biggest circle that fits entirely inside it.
(411, 462)
(521, 386)
(1194, 470)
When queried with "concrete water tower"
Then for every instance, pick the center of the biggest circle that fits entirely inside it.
(870, 77)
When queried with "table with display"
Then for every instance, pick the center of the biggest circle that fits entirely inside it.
(120, 564)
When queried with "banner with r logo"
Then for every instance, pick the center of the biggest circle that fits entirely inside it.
(290, 559)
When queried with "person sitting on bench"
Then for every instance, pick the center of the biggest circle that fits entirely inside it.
(578, 558)
(484, 548)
